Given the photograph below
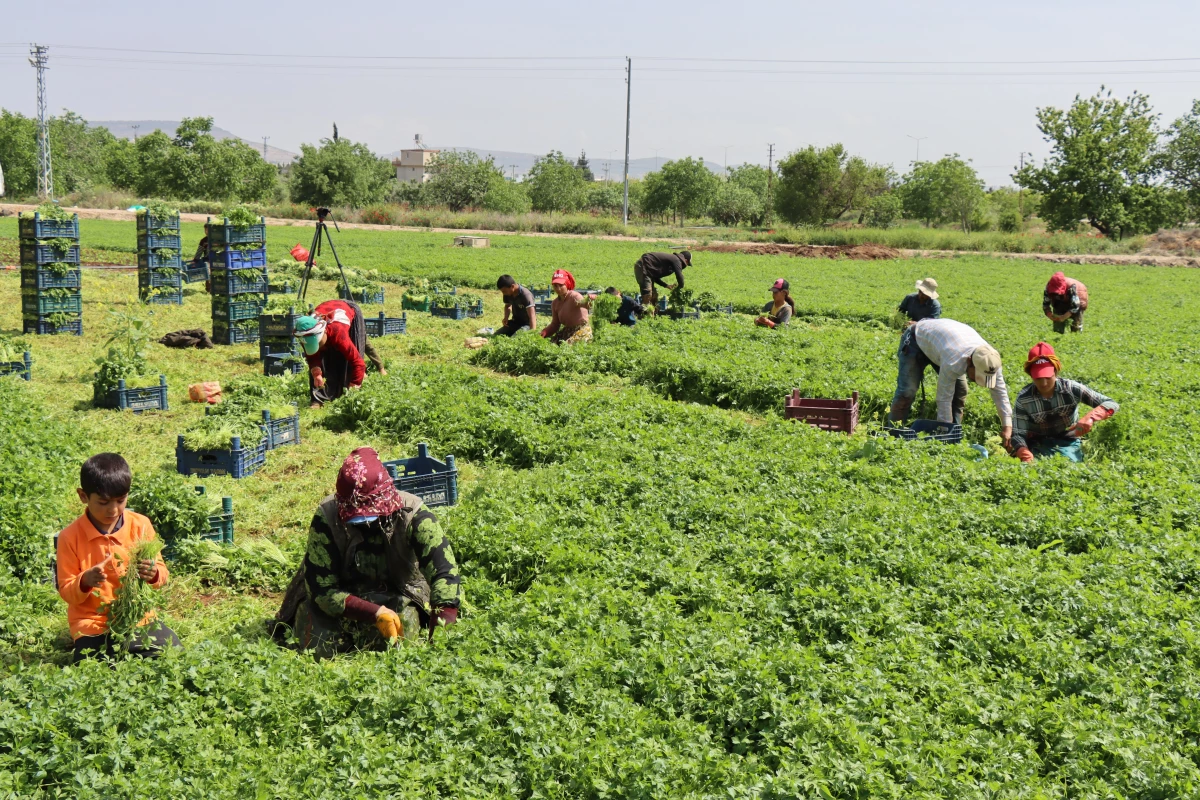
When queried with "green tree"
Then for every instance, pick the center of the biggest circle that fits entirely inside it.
(685, 187)
(818, 186)
(606, 198)
(734, 204)
(584, 168)
(340, 173)
(506, 197)
(77, 153)
(18, 153)
(555, 184)
(882, 210)
(943, 191)
(752, 177)
(1104, 167)
(1182, 155)
(459, 180)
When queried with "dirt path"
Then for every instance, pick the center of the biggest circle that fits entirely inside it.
(812, 251)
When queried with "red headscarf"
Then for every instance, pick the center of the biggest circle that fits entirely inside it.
(564, 277)
(1057, 284)
(364, 487)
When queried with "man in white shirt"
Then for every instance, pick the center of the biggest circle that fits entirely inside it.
(959, 355)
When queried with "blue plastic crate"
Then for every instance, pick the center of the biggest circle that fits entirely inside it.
(947, 432)
(224, 333)
(150, 398)
(153, 260)
(543, 307)
(542, 294)
(458, 312)
(281, 288)
(195, 271)
(40, 305)
(386, 326)
(159, 297)
(220, 526)
(42, 278)
(35, 255)
(148, 222)
(281, 431)
(38, 325)
(435, 482)
(277, 345)
(22, 369)
(231, 282)
(40, 228)
(361, 296)
(236, 462)
(278, 326)
(148, 242)
(237, 259)
(453, 290)
(282, 364)
(221, 233)
(246, 307)
(161, 276)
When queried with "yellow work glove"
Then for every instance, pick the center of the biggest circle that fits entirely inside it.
(388, 623)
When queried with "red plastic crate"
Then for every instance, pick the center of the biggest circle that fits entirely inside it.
(828, 415)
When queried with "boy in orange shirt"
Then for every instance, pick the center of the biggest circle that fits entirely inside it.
(92, 555)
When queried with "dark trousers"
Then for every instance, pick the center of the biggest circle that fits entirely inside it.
(912, 363)
(336, 369)
(148, 642)
(512, 328)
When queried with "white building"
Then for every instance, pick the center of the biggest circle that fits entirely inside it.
(413, 165)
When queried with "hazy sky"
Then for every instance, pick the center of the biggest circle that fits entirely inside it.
(294, 68)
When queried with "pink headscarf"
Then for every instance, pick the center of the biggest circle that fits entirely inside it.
(364, 487)
(1057, 284)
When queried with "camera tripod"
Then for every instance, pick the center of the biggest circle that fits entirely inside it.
(315, 250)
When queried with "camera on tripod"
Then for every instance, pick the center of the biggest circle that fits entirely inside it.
(315, 250)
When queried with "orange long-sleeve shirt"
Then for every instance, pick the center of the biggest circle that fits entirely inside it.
(80, 547)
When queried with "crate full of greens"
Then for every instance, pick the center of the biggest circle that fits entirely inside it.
(160, 276)
(161, 295)
(123, 378)
(278, 317)
(49, 251)
(238, 308)
(162, 258)
(158, 218)
(238, 226)
(36, 302)
(235, 332)
(58, 322)
(48, 221)
(228, 282)
(145, 394)
(363, 293)
(230, 442)
(282, 363)
(15, 358)
(463, 306)
(55, 275)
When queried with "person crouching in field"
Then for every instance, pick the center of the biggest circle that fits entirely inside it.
(93, 554)
(519, 311)
(334, 339)
(778, 312)
(650, 270)
(923, 303)
(1046, 415)
(377, 568)
(630, 310)
(570, 321)
(1065, 299)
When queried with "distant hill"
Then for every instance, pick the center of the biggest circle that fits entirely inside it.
(505, 159)
(124, 130)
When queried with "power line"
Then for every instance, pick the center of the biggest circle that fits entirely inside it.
(855, 61)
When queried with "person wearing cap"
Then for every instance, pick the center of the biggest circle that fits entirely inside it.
(923, 303)
(334, 340)
(1065, 299)
(377, 568)
(650, 270)
(1046, 414)
(778, 312)
(569, 316)
(958, 354)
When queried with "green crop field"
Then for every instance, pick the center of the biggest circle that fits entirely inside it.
(671, 590)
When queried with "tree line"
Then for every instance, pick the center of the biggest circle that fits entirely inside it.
(1111, 166)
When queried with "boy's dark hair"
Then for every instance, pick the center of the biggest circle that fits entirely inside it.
(105, 474)
(612, 290)
(505, 281)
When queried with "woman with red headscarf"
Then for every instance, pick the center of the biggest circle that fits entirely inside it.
(377, 567)
(1065, 299)
(1046, 418)
(569, 318)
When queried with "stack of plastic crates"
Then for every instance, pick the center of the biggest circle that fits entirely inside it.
(160, 265)
(237, 259)
(51, 301)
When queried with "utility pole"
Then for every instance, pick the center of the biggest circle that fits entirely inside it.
(135, 130)
(917, 139)
(1021, 190)
(514, 172)
(770, 175)
(727, 146)
(628, 98)
(38, 58)
(265, 147)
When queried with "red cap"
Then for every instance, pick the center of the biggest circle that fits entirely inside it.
(1042, 362)
(563, 277)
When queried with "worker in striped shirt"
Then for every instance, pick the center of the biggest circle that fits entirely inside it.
(1046, 421)
(958, 354)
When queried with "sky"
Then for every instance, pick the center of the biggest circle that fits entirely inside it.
(717, 80)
